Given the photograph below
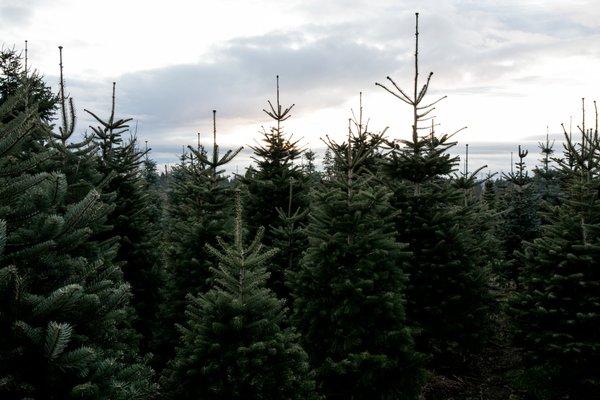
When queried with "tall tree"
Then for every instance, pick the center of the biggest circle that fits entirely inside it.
(520, 219)
(447, 292)
(235, 344)
(133, 218)
(556, 308)
(546, 180)
(200, 210)
(13, 71)
(64, 313)
(349, 290)
(267, 188)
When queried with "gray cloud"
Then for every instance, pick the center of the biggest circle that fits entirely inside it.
(17, 13)
(241, 77)
(322, 64)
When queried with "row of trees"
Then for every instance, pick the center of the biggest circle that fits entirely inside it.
(363, 280)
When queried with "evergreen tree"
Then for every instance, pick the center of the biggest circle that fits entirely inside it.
(448, 298)
(520, 219)
(134, 222)
(267, 188)
(289, 237)
(348, 291)
(200, 210)
(490, 193)
(77, 159)
(328, 164)
(556, 308)
(64, 314)
(546, 180)
(13, 69)
(234, 344)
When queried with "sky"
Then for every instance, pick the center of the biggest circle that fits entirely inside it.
(512, 70)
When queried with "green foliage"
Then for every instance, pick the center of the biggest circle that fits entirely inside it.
(556, 309)
(447, 293)
(200, 209)
(14, 79)
(134, 221)
(234, 344)
(349, 290)
(520, 222)
(64, 313)
(267, 193)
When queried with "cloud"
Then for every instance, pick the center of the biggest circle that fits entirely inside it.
(240, 76)
(342, 47)
(17, 14)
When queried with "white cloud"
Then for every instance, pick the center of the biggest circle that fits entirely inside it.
(510, 68)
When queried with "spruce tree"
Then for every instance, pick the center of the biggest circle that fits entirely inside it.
(349, 290)
(267, 188)
(235, 344)
(556, 309)
(64, 313)
(200, 209)
(448, 298)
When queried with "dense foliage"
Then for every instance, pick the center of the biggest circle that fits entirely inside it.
(377, 271)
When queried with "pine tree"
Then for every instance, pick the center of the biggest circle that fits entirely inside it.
(64, 313)
(556, 309)
(200, 210)
(133, 218)
(348, 291)
(234, 344)
(447, 293)
(267, 187)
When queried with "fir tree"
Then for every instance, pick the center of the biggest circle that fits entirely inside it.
(289, 236)
(64, 314)
(328, 164)
(267, 187)
(13, 71)
(520, 220)
(447, 292)
(556, 308)
(234, 344)
(133, 219)
(547, 185)
(348, 291)
(489, 192)
(77, 159)
(200, 210)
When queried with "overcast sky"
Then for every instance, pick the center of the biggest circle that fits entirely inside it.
(509, 68)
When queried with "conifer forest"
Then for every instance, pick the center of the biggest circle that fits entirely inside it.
(388, 270)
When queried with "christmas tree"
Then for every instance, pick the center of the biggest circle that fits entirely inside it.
(349, 290)
(64, 310)
(520, 222)
(546, 182)
(200, 209)
(556, 309)
(133, 220)
(267, 190)
(447, 291)
(234, 344)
